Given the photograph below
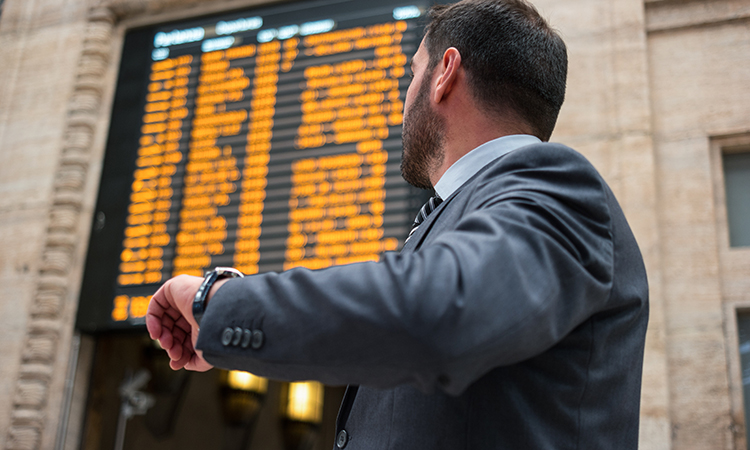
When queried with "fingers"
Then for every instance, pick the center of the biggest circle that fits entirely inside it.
(176, 335)
(174, 349)
(154, 319)
(191, 359)
(157, 307)
(183, 355)
(170, 320)
(179, 340)
(179, 363)
(153, 325)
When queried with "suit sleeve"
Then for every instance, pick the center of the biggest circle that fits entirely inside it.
(529, 260)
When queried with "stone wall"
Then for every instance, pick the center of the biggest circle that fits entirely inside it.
(699, 73)
(41, 51)
(654, 92)
(607, 117)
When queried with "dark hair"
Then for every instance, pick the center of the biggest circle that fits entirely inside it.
(515, 63)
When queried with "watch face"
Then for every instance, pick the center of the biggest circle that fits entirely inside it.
(228, 272)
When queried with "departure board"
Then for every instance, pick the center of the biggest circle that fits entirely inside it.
(264, 140)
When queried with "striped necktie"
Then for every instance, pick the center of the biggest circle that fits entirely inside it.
(427, 208)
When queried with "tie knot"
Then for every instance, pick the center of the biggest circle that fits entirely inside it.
(427, 208)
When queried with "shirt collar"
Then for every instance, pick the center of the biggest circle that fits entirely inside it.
(471, 163)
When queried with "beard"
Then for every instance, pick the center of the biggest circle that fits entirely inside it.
(422, 141)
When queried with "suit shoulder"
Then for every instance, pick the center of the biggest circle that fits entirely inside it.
(553, 175)
(547, 153)
(544, 163)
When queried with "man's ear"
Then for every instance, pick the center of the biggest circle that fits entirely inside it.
(449, 67)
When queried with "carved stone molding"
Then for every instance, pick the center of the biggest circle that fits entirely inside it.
(30, 415)
(674, 15)
(123, 9)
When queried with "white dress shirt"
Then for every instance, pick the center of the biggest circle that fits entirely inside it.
(472, 162)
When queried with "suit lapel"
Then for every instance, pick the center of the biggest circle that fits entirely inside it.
(451, 215)
(346, 406)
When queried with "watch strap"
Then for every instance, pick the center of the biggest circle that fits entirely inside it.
(199, 301)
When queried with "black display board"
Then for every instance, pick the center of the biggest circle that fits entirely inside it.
(262, 139)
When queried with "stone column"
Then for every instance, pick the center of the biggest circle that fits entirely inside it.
(41, 376)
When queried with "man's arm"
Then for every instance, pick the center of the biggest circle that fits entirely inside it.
(529, 261)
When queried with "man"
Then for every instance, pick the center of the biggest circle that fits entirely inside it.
(515, 315)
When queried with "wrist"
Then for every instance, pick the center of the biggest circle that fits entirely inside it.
(206, 289)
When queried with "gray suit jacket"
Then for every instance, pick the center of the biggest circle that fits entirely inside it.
(514, 318)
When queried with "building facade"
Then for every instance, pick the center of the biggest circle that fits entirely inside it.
(657, 99)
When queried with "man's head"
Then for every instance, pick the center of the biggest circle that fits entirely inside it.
(516, 64)
(499, 59)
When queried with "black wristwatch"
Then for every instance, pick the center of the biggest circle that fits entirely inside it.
(199, 302)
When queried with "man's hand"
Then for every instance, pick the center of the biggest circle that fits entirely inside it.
(170, 320)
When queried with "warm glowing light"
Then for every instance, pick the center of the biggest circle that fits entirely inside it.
(245, 381)
(305, 402)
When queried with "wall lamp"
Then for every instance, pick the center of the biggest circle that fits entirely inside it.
(302, 411)
(242, 395)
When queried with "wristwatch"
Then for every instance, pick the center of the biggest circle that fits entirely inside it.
(199, 302)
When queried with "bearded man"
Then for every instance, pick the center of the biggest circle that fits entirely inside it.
(515, 315)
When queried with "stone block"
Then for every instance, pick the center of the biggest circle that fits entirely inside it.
(30, 394)
(23, 438)
(40, 349)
